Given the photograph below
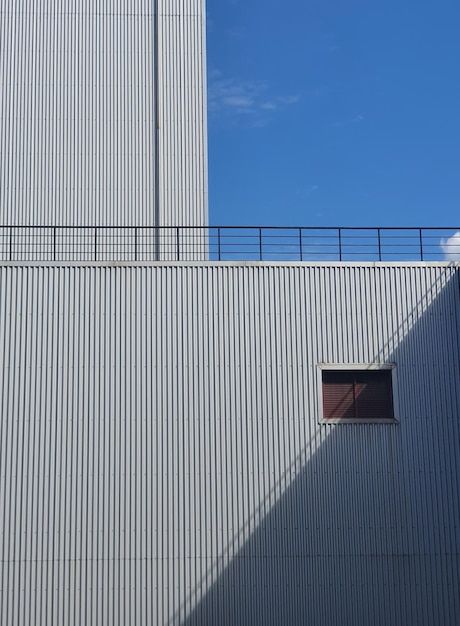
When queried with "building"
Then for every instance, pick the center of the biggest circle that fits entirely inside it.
(170, 450)
(103, 113)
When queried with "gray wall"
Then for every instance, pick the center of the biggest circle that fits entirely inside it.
(161, 460)
(103, 112)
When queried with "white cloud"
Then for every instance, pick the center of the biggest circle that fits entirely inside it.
(232, 98)
(354, 120)
(269, 106)
(241, 102)
(451, 247)
(288, 100)
(230, 94)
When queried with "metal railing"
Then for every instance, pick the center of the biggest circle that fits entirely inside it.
(227, 243)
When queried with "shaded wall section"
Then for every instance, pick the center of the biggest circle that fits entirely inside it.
(161, 459)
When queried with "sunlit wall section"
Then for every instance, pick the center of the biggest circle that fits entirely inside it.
(102, 113)
(182, 133)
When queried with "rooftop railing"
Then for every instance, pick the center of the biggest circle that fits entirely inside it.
(227, 243)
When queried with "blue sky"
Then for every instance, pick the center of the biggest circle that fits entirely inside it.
(334, 112)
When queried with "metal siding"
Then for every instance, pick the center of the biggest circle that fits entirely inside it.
(102, 113)
(161, 459)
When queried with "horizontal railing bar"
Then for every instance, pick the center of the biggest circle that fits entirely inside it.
(188, 227)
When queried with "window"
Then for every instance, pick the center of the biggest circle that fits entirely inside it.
(357, 395)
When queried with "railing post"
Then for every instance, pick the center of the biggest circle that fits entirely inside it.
(340, 244)
(260, 244)
(380, 244)
(135, 243)
(300, 244)
(421, 244)
(218, 243)
(11, 243)
(178, 243)
(54, 243)
(95, 243)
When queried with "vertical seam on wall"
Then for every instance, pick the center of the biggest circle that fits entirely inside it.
(156, 82)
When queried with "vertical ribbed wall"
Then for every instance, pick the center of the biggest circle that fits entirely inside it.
(182, 111)
(161, 460)
(102, 112)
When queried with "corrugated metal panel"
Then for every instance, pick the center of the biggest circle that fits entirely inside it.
(161, 460)
(102, 113)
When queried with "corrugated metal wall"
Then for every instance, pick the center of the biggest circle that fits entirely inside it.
(102, 112)
(161, 460)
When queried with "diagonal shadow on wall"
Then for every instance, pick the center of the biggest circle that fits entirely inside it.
(368, 532)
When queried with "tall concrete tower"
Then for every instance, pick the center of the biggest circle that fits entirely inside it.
(103, 113)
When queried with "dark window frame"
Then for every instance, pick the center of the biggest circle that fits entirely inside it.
(356, 388)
